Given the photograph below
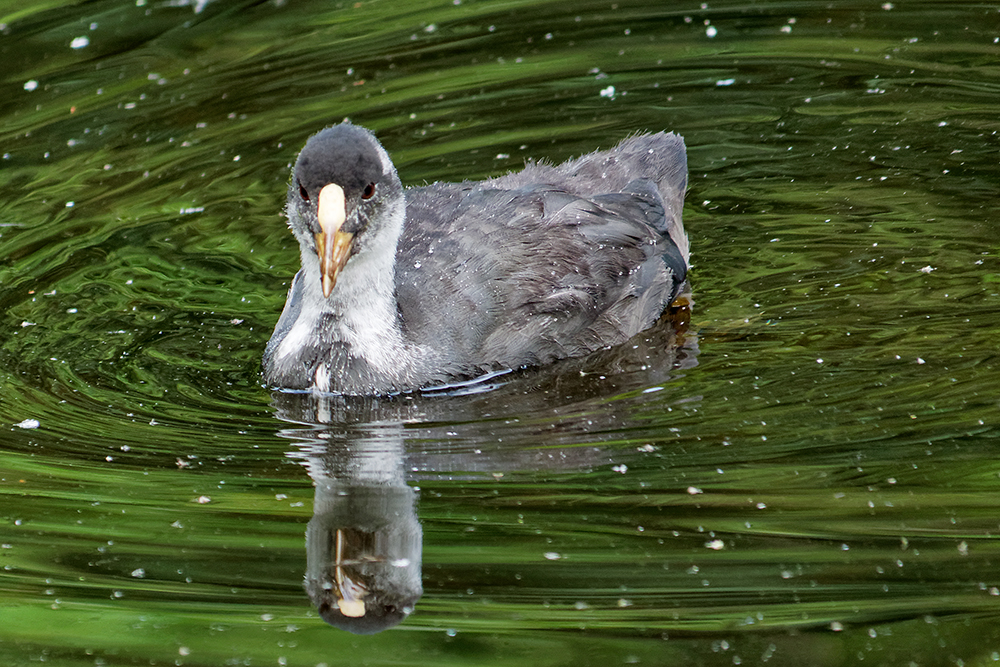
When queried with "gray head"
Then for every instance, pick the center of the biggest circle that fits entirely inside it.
(344, 199)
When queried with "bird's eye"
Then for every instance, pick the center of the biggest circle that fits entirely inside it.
(369, 191)
(303, 192)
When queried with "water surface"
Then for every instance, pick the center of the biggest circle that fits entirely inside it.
(801, 470)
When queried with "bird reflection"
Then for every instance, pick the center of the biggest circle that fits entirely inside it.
(364, 542)
(363, 563)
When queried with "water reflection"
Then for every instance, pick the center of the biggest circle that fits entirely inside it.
(364, 542)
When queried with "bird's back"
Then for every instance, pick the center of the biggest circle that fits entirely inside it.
(546, 263)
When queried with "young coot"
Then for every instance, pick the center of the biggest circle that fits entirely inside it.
(406, 288)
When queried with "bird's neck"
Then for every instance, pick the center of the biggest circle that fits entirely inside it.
(362, 314)
(364, 298)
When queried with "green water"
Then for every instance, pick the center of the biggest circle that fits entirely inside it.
(805, 474)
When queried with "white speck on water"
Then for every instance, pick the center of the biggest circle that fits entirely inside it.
(725, 82)
(28, 423)
(717, 545)
(620, 468)
(710, 31)
(694, 490)
(138, 573)
(926, 269)
(552, 555)
(70, 204)
(30, 85)
(79, 42)
(652, 390)
(400, 562)
(963, 548)
(608, 92)
(26, 323)
(836, 626)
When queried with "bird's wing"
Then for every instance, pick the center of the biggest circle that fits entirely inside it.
(525, 276)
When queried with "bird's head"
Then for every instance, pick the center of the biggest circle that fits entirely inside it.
(344, 198)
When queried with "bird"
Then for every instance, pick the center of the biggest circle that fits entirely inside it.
(405, 289)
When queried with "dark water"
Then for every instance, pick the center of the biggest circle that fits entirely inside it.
(801, 470)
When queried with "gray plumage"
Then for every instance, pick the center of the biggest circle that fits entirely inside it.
(454, 280)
